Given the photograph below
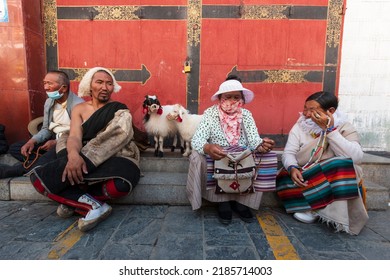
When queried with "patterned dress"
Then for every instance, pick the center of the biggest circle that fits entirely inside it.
(210, 131)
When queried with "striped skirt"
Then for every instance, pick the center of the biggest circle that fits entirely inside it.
(329, 180)
(202, 185)
(265, 180)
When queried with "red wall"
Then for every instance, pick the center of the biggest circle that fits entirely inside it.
(161, 46)
(22, 67)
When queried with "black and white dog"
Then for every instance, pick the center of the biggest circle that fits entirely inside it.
(157, 124)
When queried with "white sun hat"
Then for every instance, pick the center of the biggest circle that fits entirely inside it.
(233, 85)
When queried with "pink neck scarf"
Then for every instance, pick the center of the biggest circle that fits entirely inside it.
(231, 124)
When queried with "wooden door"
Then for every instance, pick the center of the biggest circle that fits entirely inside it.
(282, 50)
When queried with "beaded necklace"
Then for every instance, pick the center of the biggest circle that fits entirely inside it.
(319, 149)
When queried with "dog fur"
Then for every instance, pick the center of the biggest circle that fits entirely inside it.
(157, 124)
(186, 125)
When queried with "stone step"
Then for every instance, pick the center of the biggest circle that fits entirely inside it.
(377, 196)
(153, 188)
(164, 181)
(377, 169)
(169, 188)
(171, 162)
(159, 188)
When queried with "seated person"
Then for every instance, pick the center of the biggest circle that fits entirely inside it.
(322, 172)
(101, 159)
(56, 119)
(225, 124)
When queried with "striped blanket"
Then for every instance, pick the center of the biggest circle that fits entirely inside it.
(266, 174)
(329, 180)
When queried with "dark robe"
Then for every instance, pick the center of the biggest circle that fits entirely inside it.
(50, 175)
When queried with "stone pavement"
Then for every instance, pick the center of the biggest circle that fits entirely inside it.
(32, 231)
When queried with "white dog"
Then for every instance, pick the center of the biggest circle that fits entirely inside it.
(186, 124)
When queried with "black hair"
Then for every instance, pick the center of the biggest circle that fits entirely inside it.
(326, 99)
(233, 77)
(63, 78)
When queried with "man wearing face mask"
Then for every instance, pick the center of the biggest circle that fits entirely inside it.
(86, 176)
(56, 120)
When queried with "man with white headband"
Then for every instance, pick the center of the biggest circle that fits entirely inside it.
(101, 160)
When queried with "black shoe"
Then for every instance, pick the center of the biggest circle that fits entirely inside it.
(224, 212)
(8, 171)
(243, 212)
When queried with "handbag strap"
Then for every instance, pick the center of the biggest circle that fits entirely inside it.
(244, 132)
(257, 165)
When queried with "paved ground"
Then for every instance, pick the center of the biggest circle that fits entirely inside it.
(33, 231)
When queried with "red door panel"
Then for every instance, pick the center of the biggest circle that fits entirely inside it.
(282, 50)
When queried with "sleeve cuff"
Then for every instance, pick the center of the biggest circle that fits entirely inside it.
(290, 167)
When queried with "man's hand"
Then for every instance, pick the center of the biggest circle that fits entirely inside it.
(49, 144)
(74, 169)
(27, 148)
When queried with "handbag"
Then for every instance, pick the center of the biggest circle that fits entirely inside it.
(266, 166)
(235, 173)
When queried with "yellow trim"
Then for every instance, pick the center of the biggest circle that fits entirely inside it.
(65, 241)
(278, 241)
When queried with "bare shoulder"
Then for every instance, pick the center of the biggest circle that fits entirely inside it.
(83, 106)
(83, 110)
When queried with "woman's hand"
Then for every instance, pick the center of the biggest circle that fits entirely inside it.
(297, 178)
(266, 146)
(322, 119)
(214, 151)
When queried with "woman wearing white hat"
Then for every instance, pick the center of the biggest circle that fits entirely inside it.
(222, 126)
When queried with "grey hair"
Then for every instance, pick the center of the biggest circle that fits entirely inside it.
(85, 83)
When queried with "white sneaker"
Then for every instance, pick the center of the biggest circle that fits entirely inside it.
(305, 217)
(94, 217)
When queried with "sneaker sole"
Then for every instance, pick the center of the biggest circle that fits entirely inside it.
(86, 226)
(303, 220)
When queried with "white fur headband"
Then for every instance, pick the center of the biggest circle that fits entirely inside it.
(85, 83)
